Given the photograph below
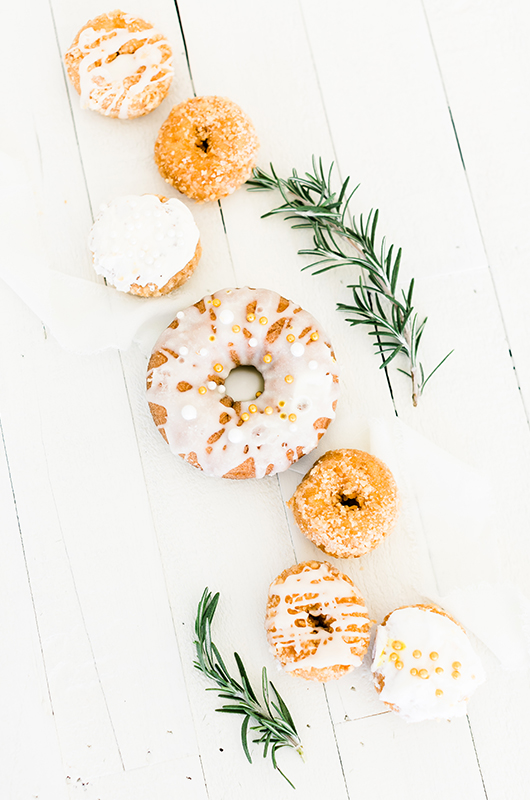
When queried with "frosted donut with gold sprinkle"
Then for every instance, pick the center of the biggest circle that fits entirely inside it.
(424, 666)
(252, 438)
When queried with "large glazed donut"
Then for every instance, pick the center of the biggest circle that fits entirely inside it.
(317, 624)
(206, 148)
(120, 65)
(252, 438)
(347, 503)
(423, 664)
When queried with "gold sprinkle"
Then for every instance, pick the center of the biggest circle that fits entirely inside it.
(433, 656)
(423, 674)
(439, 692)
(399, 665)
(314, 336)
(417, 653)
(393, 656)
(245, 416)
(268, 409)
(212, 338)
(290, 338)
(281, 403)
(258, 394)
(216, 302)
(252, 408)
(236, 329)
(267, 358)
(202, 390)
(292, 417)
(455, 674)
(456, 664)
(263, 320)
(439, 670)
(414, 671)
(398, 645)
(283, 416)
(289, 379)
(251, 317)
(218, 367)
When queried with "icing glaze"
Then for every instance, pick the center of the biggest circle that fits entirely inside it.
(259, 333)
(107, 87)
(141, 240)
(318, 619)
(437, 669)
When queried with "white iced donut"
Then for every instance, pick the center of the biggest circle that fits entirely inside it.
(146, 245)
(120, 65)
(242, 439)
(317, 623)
(423, 663)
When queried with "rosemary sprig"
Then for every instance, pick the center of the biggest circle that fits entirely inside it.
(310, 201)
(274, 724)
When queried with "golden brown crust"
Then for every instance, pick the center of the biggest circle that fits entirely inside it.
(206, 148)
(152, 290)
(150, 97)
(347, 503)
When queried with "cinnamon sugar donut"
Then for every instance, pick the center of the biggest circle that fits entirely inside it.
(146, 245)
(316, 622)
(120, 65)
(347, 503)
(423, 664)
(206, 148)
(242, 439)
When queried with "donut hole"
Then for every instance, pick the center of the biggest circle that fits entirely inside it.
(351, 500)
(202, 140)
(319, 621)
(244, 382)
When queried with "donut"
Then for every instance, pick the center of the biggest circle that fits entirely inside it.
(347, 503)
(316, 622)
(146, 245)
(423, 664)
(242, 438)
(120, 65)
(206, 148)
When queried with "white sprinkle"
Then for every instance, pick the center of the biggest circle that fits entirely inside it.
(226, 316)
(313, 364)
(180, 314)
(222, 389)
(183, 351)
(235, 435)
(189, 412)
(293, 428)
(253, 342)
(297, 349)
(211, 385)
(203, 351)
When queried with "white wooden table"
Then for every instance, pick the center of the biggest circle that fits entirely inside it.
(107, 540)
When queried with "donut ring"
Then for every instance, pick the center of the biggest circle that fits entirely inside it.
(120, 65)
(316, 621)
(423, 664)
(206, 148)
(146, 245)
(347, 503)
(242, 439)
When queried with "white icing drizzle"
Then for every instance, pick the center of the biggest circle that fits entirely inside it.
(268, 441)
(440, 694)
(106, 82)
(141, 240)
(330, 597)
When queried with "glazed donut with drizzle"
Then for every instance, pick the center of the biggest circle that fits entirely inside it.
(120, 65)
(242, 439)
(423, 664)
(317, 623)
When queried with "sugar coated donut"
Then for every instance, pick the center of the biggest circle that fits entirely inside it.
(251, 438)
(423, 664)
(347, 503)
(120, 65)
(316, 622)
(206, 148)
(146, 245)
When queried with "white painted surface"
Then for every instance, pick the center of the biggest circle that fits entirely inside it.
(108, 540)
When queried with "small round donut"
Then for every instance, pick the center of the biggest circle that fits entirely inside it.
(146, 245)
(120, 65)
(347, 503)
(423, 664)
(242, 439)
(317, 624)
(206, 148)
